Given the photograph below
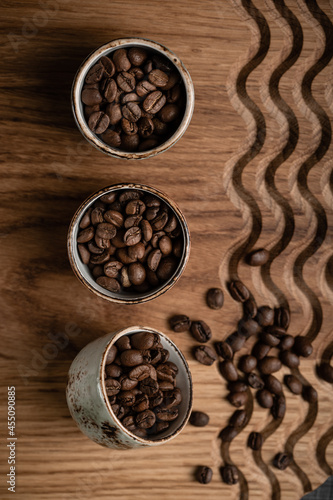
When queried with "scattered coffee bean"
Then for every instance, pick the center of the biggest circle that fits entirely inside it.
(273, 384)
(293, 384)
(278, 409)
(224, 350)
(215, 298)
(238, 291)
(247, 363)
(180, 323)
(302, 346)
(249, 309)
(238, 399)
(228, 433)
(289, 359)
(260, 350)
(120, 90)
(309, 394)
(286, 342)
(255, 381)
(269, 339)
(236, 341)
(258, 257)
(204, 474)
(282, 317)
(237, 386)
(201, 331)
(205, 355)
(199, 419)
(268, 365)
(248, 327)
(116, 244)
(282, 460)
(255, 441)
(228, 370)
(264, 398)
(265, 316)
(238, 419)
(229, 474)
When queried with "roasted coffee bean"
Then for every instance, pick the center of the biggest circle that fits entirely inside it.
(106, 231)
(113, 371)
(249, 309)
(112, 386)
(269, 365)
(111, 355)
(169, 113)
(145, 419)
(302, 346)
(247, 363)
(149, 386)
(129, 422)
(97, 271)
(91, 97)
(85, 220)
(98, 122)
(238, 291)
(228, 370)
(236, 341)
(172, 398)
(273, 384)
(110, 284)
(215, 298)
(95, 73)
(112, 138)
(142, 340)
(258, 257)
(167, 414)
(137, 55)
(238, 399)
(124, 343)
(110, 90)
(129, 128)
(126, 398)
(200, 331)
(180, 323)
(205, 355)
(248, 327)
(282, 317)
(199, 419)
(167, 268)
(265, 316)
(154, 259)
(260, 350)
(228, 433)
(237, 386)
(139, 373)
(136, 273)
(112, 268)
(278, 409)
(286, 342)
(141, 403)
(204, 474)
(86, 235)
(114, 113)
(269, 339)
(238, 419)
(255, 381)
(293, 384)
(229, 474)
(224, 350)
(84, 254)
(264, 398)
(309, 394)
(145, 127)
(121, 60)
(255, 441)
(156, 399)
(161, 426)
(132, 236)
(282, 460)
(101, 259)
(114, 217)
(289, 359)
(154, 102)
(131, 357)
(158, 78)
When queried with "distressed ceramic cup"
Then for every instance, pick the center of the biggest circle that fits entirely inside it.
(106, 50)
(82, 271)
(89, 405)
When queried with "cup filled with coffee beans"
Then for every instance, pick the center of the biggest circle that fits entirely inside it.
(128, 243)
(129, 389)
(132, 98)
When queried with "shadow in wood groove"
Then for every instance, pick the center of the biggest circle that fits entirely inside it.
(323, 442)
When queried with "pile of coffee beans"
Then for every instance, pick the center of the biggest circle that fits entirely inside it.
(131, 241)
(134, 99)
(140, 382)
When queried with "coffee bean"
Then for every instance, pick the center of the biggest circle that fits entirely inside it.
(265, 316)
(282, 460)
(85, 220)
(113, 371)
(293, 384)
(247, 363)
(169, 113)
(199, 419)
(98, 122)
(172, 398)
(106, 231)
(273, 384)
(205, 355)
(112, 386)
(111, 138)
(282, 317)
(264, 398)
(167, 268)
(180, 323)
(255, 381)
(111, 269)
(289, 359)
(154, 259)
(167, 414)
(224, 350)
(115, 115)
(95, 73)
(309, 394)
(238, 399)
(154, 102)
(278, 409)
(258, 257)
(238, 419)
(91, 97)
(228, 433)
(228, 370)
(286, 342)
(302, 346)
(215, 298)
(145, 127)
(131, 357)
(123, 343)
(269, 339)
(110, 284)
(200, 331)
(269, 365)
(255, 441)
(144, 88)
(260, 350)
(229, 474)
(238, 291)
(204, 474)
(248, 327)
(141, 403)
(111, 355)
(84, 254)
(145, 419)
(237, 386)
(249, 309)
(86, 235)
(121, 60)
(236, 341)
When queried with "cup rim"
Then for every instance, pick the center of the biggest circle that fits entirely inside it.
(79, 81)
(132, 330)
(140, 298)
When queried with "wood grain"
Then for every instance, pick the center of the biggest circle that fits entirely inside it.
(254, 169)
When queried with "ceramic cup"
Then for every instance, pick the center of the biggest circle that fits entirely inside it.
(82, 271)
(90, 407)
(106, 50)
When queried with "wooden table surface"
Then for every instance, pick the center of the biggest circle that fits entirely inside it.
(253, 169)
